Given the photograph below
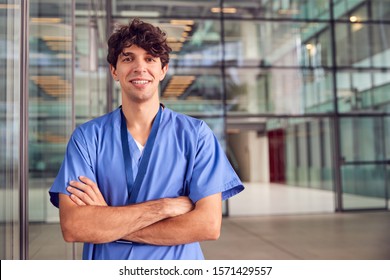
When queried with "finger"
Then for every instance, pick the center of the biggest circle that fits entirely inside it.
(87, 181)
(95, 188)
(92, 185)
(80, 195)
(77, 200)
(86, 189)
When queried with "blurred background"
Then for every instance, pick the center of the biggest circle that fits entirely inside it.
(297, 92)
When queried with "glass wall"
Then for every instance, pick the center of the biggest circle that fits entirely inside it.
(90, 69)
(364, 168)
(50, 119)
(362, 78)
(301, 63)
(10, 133)
(67, 87)
(291, 59)
(301, 84)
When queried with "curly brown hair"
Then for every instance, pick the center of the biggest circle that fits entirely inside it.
(142, 34)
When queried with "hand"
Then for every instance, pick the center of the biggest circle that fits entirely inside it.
(179, 205)
(85, 192)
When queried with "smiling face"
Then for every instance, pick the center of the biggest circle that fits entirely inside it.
(139, 74)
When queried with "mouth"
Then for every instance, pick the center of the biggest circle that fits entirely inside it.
(140, 82)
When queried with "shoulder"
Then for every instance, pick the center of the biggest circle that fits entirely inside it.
(105, 121)
(93, 130)
(185, 122)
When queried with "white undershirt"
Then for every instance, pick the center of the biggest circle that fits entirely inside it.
(140, 147)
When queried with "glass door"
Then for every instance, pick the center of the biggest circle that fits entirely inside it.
(364, 167)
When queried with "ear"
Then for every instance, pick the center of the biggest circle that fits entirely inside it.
(113, 73)
(164, 71)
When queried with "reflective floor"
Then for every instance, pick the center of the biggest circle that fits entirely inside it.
(270, 222)
(293, 237)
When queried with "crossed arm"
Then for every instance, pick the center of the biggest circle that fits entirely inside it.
(86, 217)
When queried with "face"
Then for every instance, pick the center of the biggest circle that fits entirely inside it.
(139, 74)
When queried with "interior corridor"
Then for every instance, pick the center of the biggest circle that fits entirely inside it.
(270, 222)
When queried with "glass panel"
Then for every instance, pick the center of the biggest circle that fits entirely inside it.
(301, 147)
(10, 35)
(380, 41)
(362, 139)
(91, 65)
(290, 156)
(165, 8)
(279, 91)
(249, 43)
(364, 175)
(380, 9)
(360, 10)
(353, 10)
(292, 9)
(50, 120)
(315, 159)
(363, 91)
(351, 52)
(388, 185)
(386, 142)
(364, 186)
(194, 91)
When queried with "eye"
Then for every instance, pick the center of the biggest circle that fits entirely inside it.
(150, 59)
(126, 59)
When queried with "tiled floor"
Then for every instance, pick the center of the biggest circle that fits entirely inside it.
(270, 222)
(318, 236)
(269, 199)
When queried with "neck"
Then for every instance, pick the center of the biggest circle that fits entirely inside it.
(140, 115)
(139, 118)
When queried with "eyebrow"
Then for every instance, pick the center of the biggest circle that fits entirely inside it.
(126, 53)
(131, 53)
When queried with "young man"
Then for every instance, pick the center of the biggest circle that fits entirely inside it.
(142, 182)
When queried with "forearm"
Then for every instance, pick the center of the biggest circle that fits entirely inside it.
(100, 224)
(175, 231)
(203, 223)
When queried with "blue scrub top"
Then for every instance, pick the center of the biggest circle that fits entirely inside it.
(186, 160)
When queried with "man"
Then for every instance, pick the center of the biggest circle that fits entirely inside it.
(142, 182)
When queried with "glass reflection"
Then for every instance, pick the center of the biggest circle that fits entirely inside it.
(364, 172)
(360, 10)
(363, 91)
(250, 57)
(10, 34)
(282, 44)
(351, 52)
(50, 119)
(289, 151)
(279, 91)
(293, 9)
(194, 91)
(165, 8)
(362, 139)
(364, 186)
(90, 95)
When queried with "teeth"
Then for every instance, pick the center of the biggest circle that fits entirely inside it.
(140, 82)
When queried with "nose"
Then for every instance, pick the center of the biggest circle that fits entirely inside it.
(139, 65)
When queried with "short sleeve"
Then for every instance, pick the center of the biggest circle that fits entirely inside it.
(77, 162)
(212, 171)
